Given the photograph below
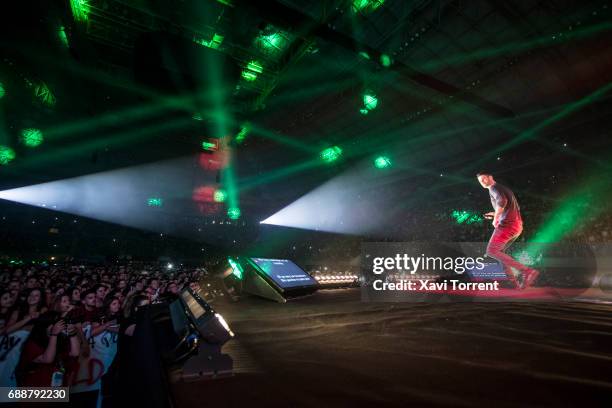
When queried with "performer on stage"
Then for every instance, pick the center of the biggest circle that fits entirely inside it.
(508, 226)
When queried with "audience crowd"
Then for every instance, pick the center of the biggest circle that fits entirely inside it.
(70, 325)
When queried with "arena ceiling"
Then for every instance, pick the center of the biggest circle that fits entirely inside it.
(458, 83)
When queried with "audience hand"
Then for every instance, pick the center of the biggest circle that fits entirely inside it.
(58, 327)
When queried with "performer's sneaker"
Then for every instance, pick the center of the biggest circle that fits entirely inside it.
(529, 277)
(512, 281)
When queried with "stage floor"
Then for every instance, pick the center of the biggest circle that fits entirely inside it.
(331, 349)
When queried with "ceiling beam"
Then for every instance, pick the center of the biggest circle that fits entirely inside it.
(286, 17)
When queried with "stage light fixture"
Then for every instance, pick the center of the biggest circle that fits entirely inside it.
(219, 196)
(366, 6)
(370, 101)
(233, 213)
(252, 69)
(249, 76)
(255, 66)
(244, 132)
(385, 60)
(32, 137)
(363, 111)
(211, 145)
(331, 154)
(6, 155)
(272, 41)
(155, 202)
(382, 162)
(223, 323)
(237, 270)
(80, 10)
(214, 43)
(42, 92)
(63, 37)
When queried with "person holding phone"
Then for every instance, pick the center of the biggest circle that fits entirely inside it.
(48, 354)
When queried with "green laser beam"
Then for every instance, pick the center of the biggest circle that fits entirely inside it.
(515, 47)
(567, 110)
(278, 174)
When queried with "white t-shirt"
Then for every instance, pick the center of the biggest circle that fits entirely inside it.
(10, 353)
(91, 369)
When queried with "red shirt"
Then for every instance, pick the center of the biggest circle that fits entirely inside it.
(91, 315)
(39, 374)
(35, 374)
(81, 314)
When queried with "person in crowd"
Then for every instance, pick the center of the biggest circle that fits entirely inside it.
(194, 286)
(121, 284)
(172, 292)
(75, 296)
(89, 310)
(32, 282)
(14, 287)
(49, 354)
(139, 286)
(101, 342)
(154, 288)
(62, 305)
(101, 291)
(136, 303)
(28, 311)
(5, 277)
(109, 318)
(54, 293)
(6, 304)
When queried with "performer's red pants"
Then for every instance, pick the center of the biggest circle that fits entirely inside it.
(502, 238)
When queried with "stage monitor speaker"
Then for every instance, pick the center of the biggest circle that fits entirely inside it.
(191, 312)
(275, 279)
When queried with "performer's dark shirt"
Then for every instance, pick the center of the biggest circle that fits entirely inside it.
(502, 196)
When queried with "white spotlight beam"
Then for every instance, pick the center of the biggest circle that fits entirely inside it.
(117, 196)
(351, 203)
